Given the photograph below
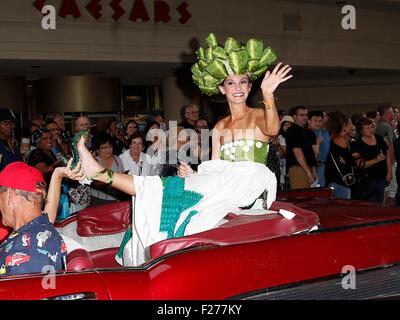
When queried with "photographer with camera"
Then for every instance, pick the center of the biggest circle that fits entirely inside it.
(339, 168)
(116, 131)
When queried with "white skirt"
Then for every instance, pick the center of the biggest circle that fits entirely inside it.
(225, 186)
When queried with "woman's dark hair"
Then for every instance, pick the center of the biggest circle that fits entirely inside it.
(336, 121)
(101, 138)
(372, 114)
(364, 122)
(149, 125)
(147, 144)
(128, 123)
(135, 136)
(355, 118)
(282, 132)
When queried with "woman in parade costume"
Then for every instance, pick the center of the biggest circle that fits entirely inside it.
(244, 134)
(173, 206)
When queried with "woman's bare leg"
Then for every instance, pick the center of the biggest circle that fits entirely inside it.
(91, 167)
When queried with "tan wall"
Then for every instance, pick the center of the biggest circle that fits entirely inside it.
(173, 98)
(321, 41)
(349, 99)
(79, 94)
(12, 93)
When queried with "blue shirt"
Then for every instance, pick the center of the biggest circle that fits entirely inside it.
(325, 145)
(31, 247)
(8, 155)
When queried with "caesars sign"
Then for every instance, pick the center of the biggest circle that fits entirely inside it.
(138, 10)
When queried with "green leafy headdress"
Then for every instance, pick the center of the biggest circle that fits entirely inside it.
(216, 63)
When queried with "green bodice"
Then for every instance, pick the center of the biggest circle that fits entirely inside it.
(245, 150)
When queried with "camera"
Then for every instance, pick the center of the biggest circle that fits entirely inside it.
(120, 127)
(349, 179)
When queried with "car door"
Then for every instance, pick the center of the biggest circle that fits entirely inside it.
(60, 286)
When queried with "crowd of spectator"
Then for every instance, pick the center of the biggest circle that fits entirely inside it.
(121, 147)
(313, 149)
(356, 156)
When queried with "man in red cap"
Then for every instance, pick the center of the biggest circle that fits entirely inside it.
(34, 243)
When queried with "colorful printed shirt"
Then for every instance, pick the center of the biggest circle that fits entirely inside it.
(32, 247)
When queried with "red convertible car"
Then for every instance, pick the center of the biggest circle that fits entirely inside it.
(330, 249)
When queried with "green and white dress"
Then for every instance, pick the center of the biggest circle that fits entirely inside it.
(175, 207)
(245, 150)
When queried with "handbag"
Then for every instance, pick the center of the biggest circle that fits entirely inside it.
(362, 189)
(348, 179)
(80, 195)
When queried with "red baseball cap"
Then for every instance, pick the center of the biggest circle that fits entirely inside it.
(18, 175)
